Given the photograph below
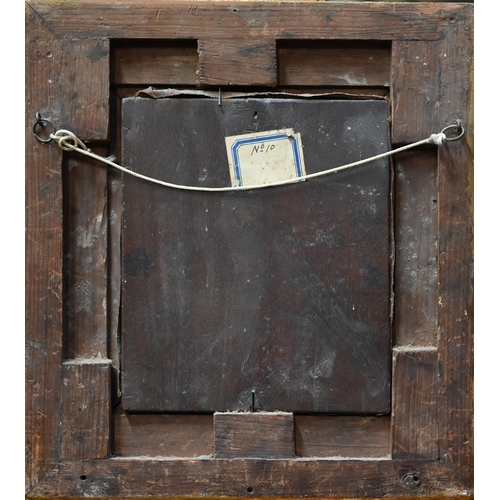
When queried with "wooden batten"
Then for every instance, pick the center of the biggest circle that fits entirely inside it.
(338, 436)
(357, 64)
(251, 61)
(161, 62)
(414, 416)
(416, 232)
(414, 90)
(165, 435)
(85, 98)
(253, 435)
(43, 260)
(86, 227)
(86, 409)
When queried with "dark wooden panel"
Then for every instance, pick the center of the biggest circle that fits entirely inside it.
(86, 409)
(334, 63)
(86, 222)
(163, 435)
(335, 436)
(155, 63)
(253, 435)
(84, 83)
(242, 61)
(416, 223)
(414, 416)
(282, 290)
(455, 266)
(307, 20)
(43, 259)
(126, 478)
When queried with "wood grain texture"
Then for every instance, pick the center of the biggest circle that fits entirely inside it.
(336, 436)
(115, 181)
(455, 265)
(86, 409)
(86, 223)
(414, 414)
(154, 63)
(431, 81)
(126, 478)
(84, 90)
(416, 230)
(204, 20)
(282, 290)
(43, 261)
(243, 61)
(323, 63)
(166, 435)
(415, 112)
(253, 435)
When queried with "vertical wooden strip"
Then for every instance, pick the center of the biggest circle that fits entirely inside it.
(85, 256)
(235, 435)
(43, 259)
(414, 90)
(86, 410)
(455, 312)
(416, 217)
(85, 87)
(414, 412)
(241, 61)
(114, 245)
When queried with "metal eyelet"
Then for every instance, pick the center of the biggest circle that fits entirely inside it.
(42, 123)
(459, 130)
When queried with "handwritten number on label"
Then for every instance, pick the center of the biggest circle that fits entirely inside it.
(263, 148)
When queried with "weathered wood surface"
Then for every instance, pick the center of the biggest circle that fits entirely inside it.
(154, 63)
(84, 81)
(416, 232)
(431, 81)
(86, 409)
(336, 436)
(414, 414)
(85, 256)
(114, 246)
(321, 63)
(215, 20)
(125, 478)
(247, 61)
(46, 93)
(44, 265)
(282, 290)
(167, 435)
(253, 435)
(455, 264)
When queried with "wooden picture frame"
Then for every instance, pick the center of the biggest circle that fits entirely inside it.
(81, 58)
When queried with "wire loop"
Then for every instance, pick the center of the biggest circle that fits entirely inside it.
(42, 123)
(459, 130)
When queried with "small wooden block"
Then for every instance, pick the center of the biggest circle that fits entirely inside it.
(414, 422)
(86, 410)
(253, 435)
(237, 62)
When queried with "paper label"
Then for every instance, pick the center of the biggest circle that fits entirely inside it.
(265, 157)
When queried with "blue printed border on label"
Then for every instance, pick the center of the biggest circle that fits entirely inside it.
(242, 142)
